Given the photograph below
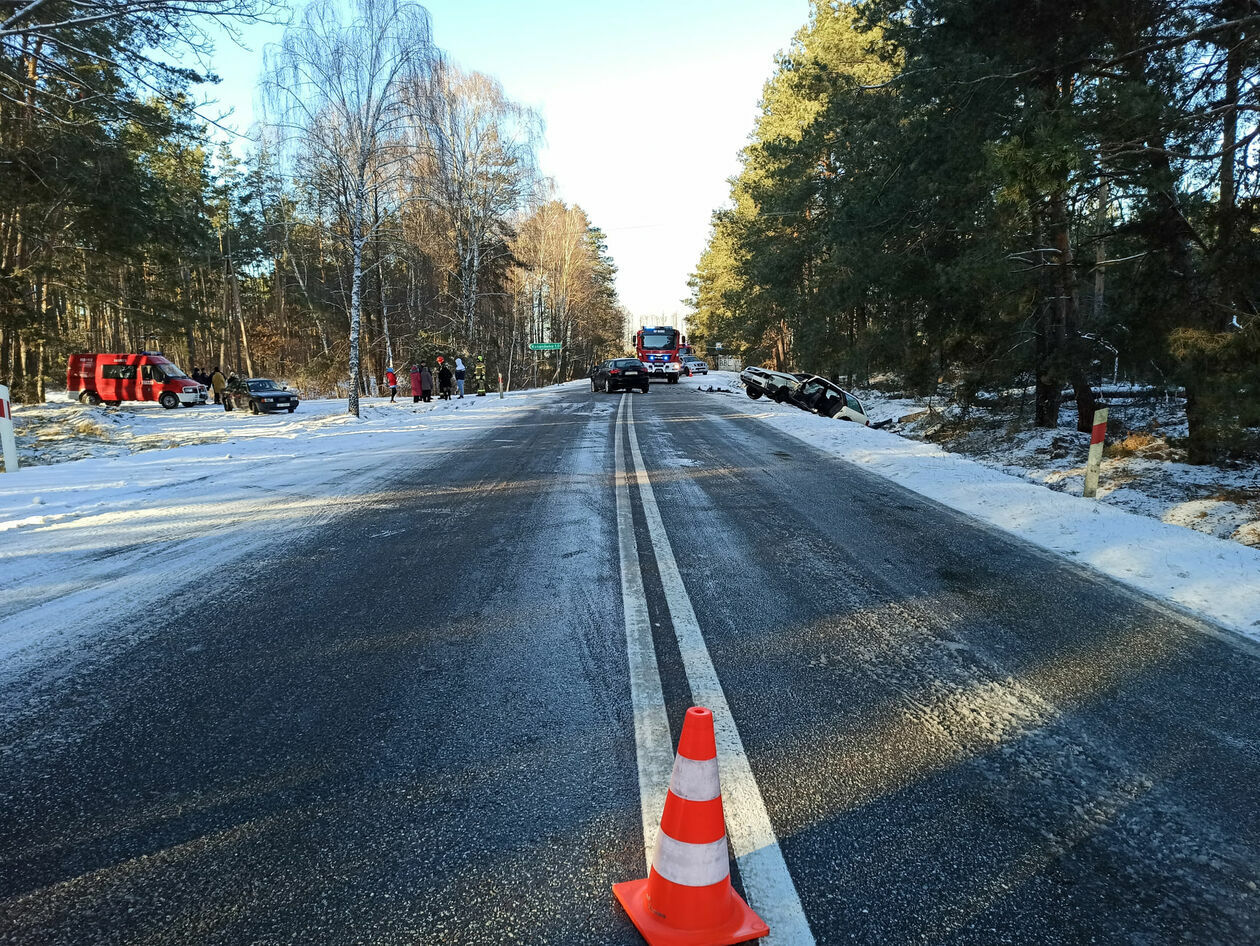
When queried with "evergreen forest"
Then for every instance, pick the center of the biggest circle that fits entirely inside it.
(387, 209)
(980, 196)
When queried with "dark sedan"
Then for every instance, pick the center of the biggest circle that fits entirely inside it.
(259, 395)
(619, 374)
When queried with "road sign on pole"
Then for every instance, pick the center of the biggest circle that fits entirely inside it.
(544, 346)
(1095, 452)
(8, 444)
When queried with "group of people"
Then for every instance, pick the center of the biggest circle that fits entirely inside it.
(422, 378)
(215, 380)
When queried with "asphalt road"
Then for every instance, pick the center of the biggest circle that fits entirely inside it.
(416, 725)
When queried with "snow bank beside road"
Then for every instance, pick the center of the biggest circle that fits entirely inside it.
(106, 540)
(1217, 579)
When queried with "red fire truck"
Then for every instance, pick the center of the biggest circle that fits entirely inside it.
(142, 376)
(661, 350)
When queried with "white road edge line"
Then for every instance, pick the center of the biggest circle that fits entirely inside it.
(653, 747)
(767, 882)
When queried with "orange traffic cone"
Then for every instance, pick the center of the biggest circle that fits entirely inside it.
(687, 898)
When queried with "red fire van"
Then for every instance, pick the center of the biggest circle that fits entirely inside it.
(142, 376)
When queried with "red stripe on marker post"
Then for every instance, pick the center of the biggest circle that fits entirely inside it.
(1094, 464)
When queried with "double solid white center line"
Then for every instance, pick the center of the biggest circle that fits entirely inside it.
(766, 879)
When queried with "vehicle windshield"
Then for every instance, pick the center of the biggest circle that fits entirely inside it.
(170, 370)
(627, 363)
(264, 384)
(657, 341)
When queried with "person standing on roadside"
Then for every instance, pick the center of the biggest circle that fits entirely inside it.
(444, 381)
(426, 383)
(479, 375)
(218, 382)
(460, 371)
(416, 378)
(391, 379)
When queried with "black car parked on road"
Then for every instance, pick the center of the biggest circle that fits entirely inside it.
(259, 395)
(619, 374)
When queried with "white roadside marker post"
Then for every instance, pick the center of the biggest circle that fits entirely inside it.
(1095, 453)
(500, 385)
(8, 443)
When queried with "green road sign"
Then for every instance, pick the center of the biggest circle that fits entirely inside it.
(544, 346)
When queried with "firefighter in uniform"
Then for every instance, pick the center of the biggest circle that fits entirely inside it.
(479, 375)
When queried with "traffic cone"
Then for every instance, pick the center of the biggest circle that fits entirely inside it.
(687, 898)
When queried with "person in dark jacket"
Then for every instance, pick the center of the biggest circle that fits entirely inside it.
(415, 383)
(227, 393)
(426, 383)
(444, 381)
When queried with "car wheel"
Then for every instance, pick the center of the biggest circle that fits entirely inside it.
(753, 393)
(253, 406)
(293, 408)
(644, 389)
(90, 397)
(673, 379)
(114, 403)
(169, 401)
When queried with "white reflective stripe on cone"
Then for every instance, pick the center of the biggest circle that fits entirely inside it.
(695, 781)
(692, 865)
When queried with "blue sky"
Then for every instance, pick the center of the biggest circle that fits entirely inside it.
(646, 106)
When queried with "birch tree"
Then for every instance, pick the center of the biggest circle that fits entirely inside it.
(564, 283)
(341, 90)
(479, 156)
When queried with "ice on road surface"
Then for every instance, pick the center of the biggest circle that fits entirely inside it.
(118, 533)
(1214, 578)
(164, 498)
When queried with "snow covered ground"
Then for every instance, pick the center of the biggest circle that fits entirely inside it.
(120, 509)
(1131, 534)
(1141, 469)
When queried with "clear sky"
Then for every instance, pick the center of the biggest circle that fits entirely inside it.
(646, 106)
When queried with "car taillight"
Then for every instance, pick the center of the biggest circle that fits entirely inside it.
(614, 371)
